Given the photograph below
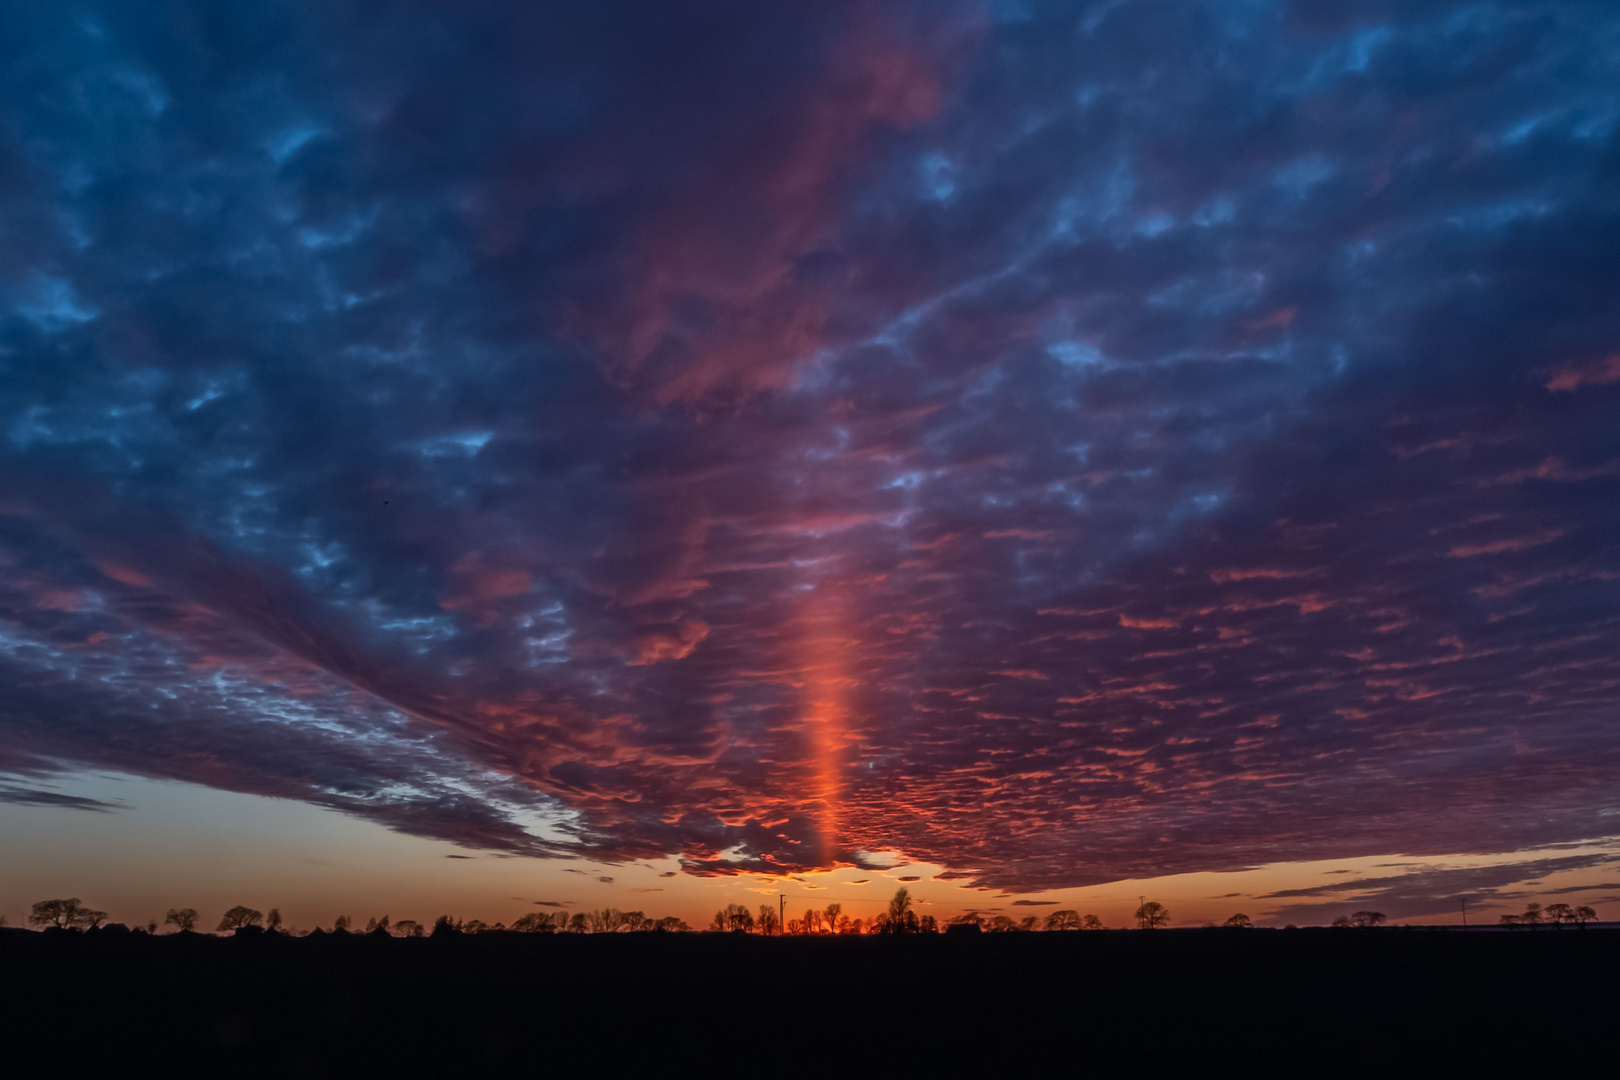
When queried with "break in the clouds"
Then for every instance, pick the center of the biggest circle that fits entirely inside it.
(1055, 441)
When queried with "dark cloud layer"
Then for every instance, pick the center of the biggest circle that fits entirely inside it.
(1056, 441)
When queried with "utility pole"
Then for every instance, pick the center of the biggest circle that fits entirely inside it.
(1465, 912)
(781, 919)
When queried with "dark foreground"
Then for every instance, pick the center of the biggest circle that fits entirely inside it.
(1205, 1002)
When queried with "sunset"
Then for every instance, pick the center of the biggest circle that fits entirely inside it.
(927, 468)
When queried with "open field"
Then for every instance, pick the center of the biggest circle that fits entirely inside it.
(1306, 1001)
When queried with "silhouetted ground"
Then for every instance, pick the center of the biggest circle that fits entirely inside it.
(1201, 1002)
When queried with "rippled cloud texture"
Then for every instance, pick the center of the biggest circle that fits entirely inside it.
(1057, 441)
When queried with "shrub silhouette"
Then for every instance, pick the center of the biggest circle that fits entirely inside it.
(1240, 921)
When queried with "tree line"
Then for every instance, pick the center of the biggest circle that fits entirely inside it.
(1553, 914)
(899, 917)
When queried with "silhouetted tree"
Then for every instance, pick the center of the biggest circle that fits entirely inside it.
(1063, 919)
(770, 920)
(185, 918)
(607, 921)
(1090, 922)
(578, 923)
(342, 923)
(1001, 924)
(474, 926)
(239, 916)
(377, 924)
(669, 924)
(272, 921)
(445, 926)
(69, 914)
(1240, 921)
(1584, 915)
(1531, 916)
(1509, 920)
(829, 917)
(1366, 919)
(927, 924)
(535, 922)
(899, 918)
(732, 917)
(1152, 915)
(1558, 914)
(408, 928)
(811, 921)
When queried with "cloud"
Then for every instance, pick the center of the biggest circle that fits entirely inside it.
(1033, 903)
(17, 796)
(1435, 890)
(778, 441)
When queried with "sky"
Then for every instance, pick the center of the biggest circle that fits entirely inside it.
(482, 455)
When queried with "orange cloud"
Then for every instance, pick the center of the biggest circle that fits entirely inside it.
(1599, 373)
(125, 575)
(1517, 543)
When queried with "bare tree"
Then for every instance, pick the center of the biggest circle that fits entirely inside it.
(1531, 916)
(1240, 921)
(928, 925)
(1584, 915)
(342, 923)
(1558, 914)
(829, 917)
(185, 918)
(272, 921)
(1090, 922)
(732, 917)
(899, 918)
(1509, 920)
(69, 914)
(408, 928)
(239, 916)
(1367, 919)
(770, 920)
(1152, 915)
(535, 922)
(608, 921)
(373, 925)
(1063, 919)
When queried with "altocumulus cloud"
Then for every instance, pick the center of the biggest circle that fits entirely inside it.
(1056, 441)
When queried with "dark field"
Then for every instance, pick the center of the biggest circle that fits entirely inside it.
(1202, 1002)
